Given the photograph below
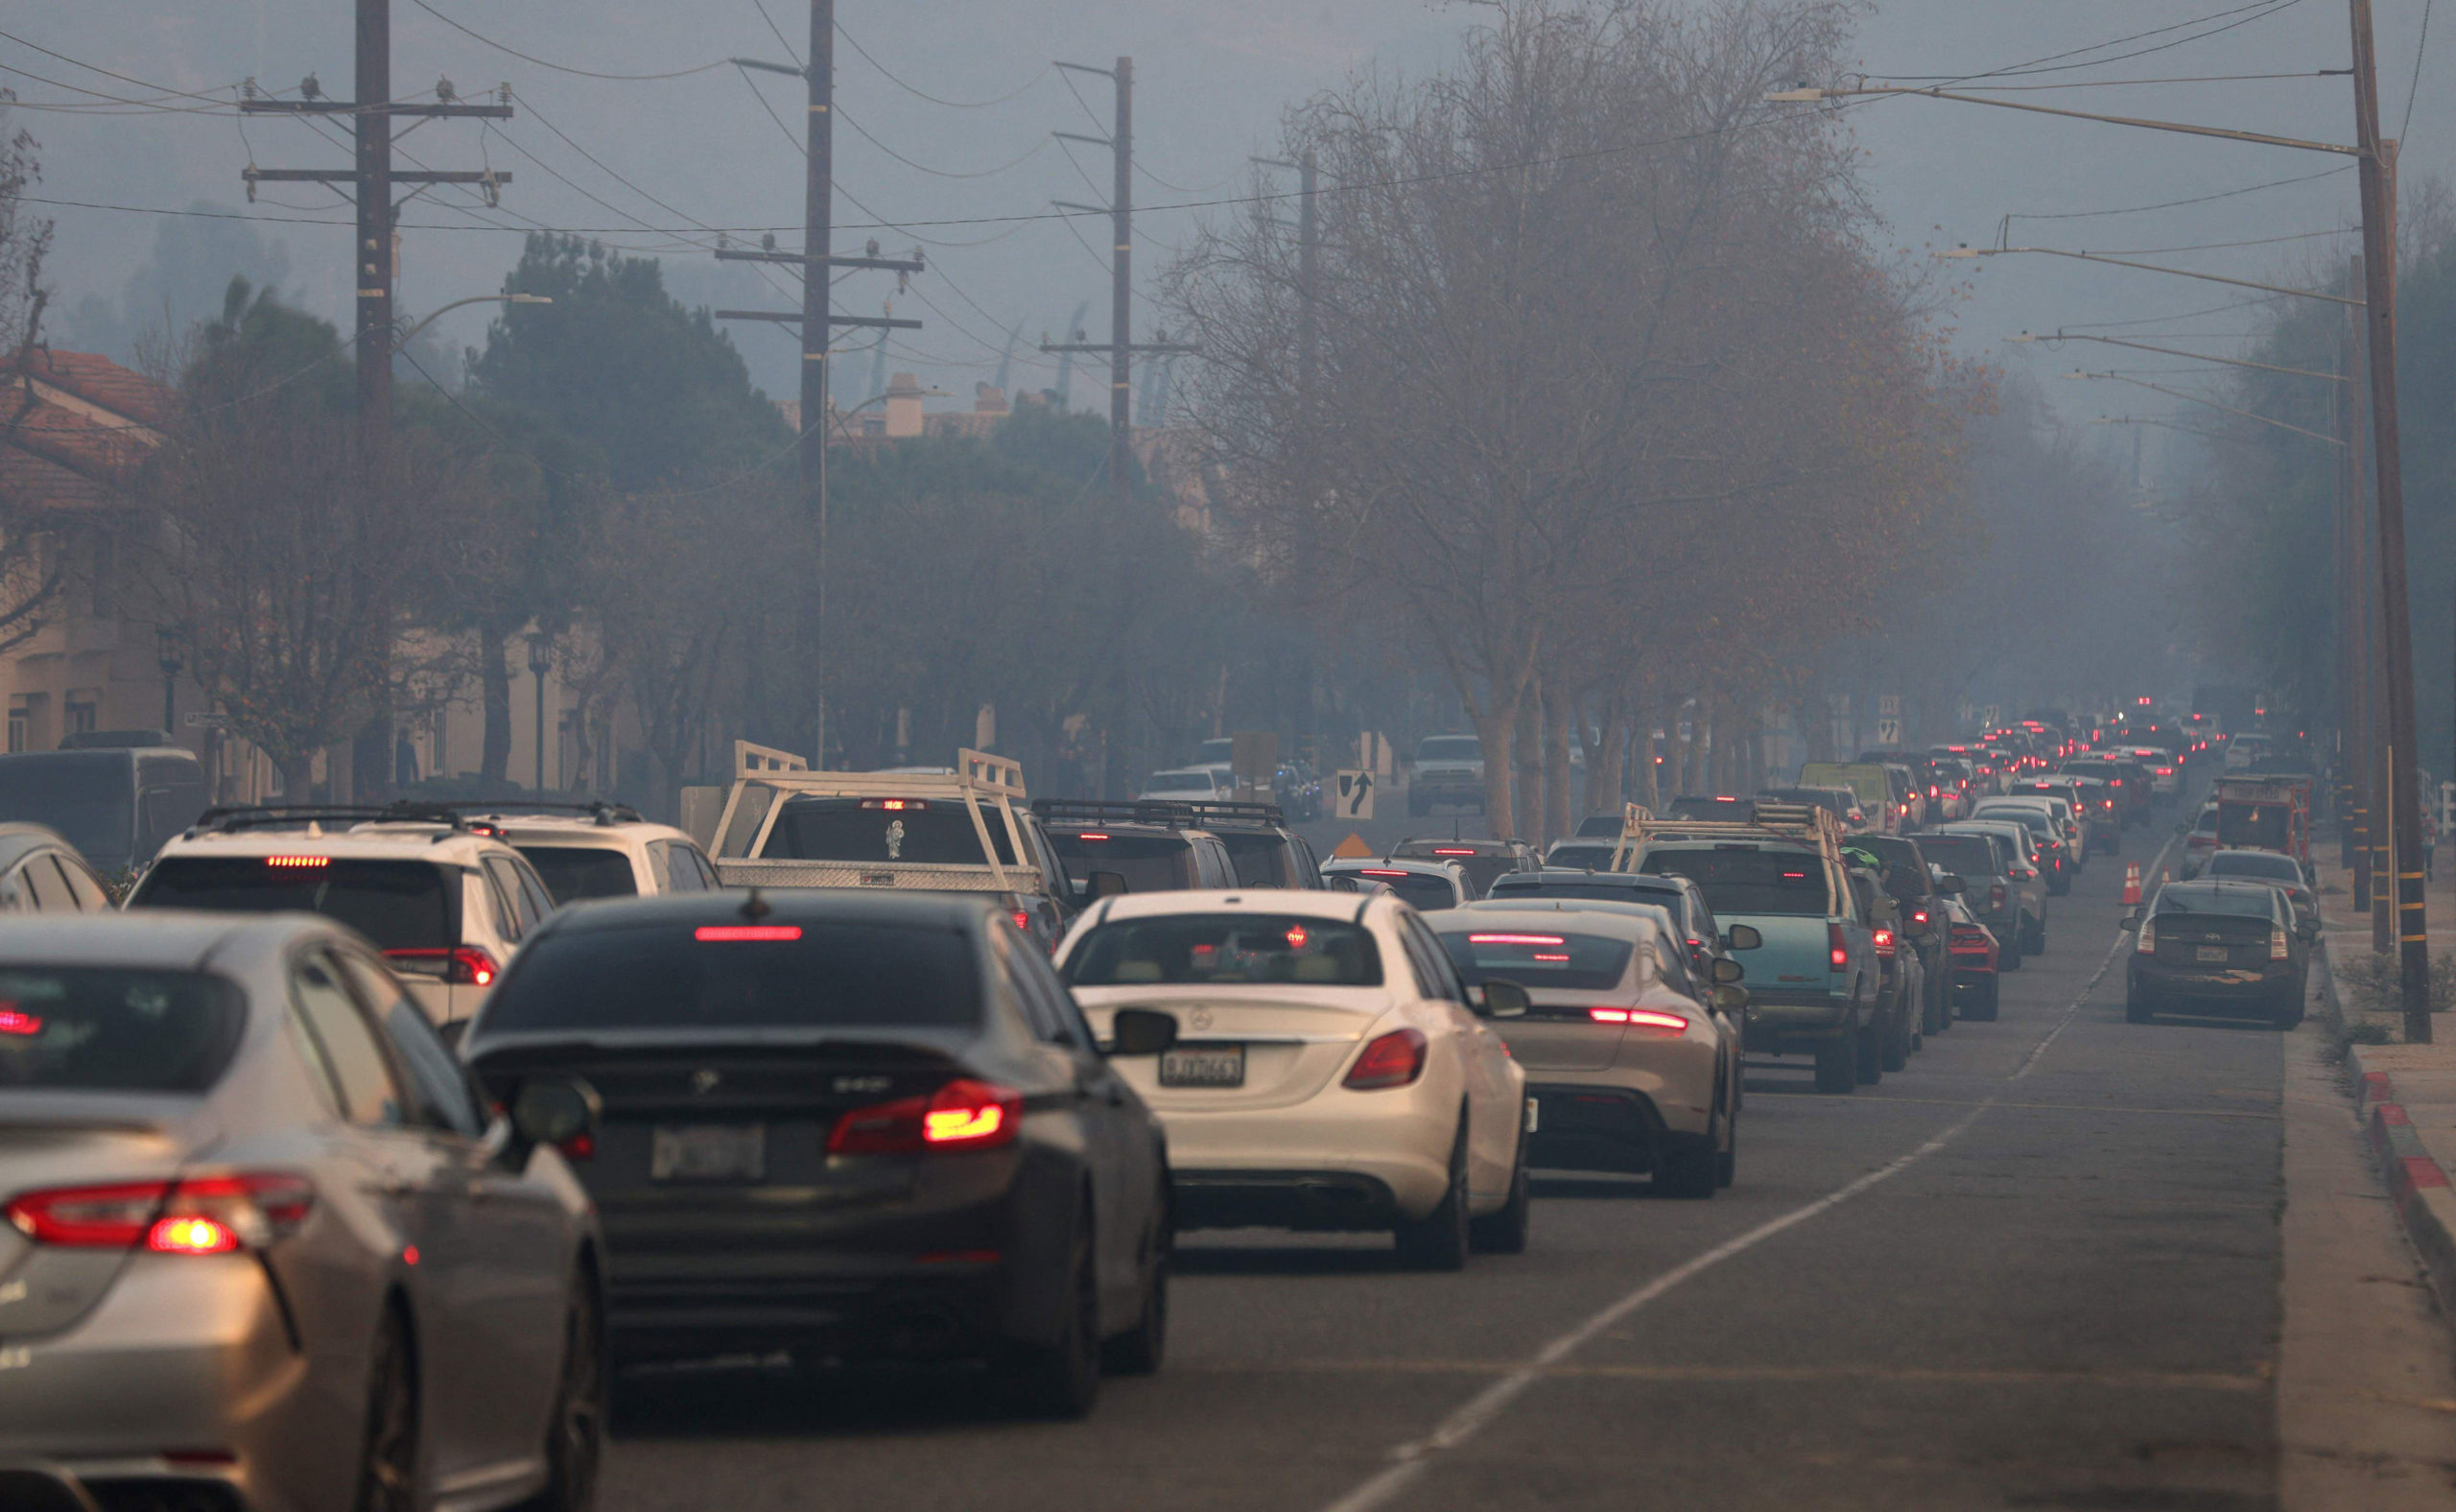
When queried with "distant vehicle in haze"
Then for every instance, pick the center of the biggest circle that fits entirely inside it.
(116, 795)
(1448, 768)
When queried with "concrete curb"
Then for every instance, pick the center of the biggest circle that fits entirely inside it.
(2419, 1186)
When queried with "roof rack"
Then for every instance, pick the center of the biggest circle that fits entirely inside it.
(1772, 821)
(598, 809)
(1116, 810)
(1240, 812)
(236, 818)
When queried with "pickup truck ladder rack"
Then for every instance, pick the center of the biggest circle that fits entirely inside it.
(978, 778)
(1794, 822)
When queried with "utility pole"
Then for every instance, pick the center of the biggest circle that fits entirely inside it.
(1119, 348)
(2378, 167)
(373, 267)
(2353, 662)
(817, 317)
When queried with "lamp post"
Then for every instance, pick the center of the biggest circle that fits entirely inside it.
(405, 337)
(541, 660)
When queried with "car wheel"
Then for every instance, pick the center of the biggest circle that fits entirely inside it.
(1989, 999)
(1936, 1012)
(2034, 944)
(2289, 1008)
(388, 1459)
(1837, 1064)
(575, 1436)
(2008, 958)
(1062, 1378)
(1897, 1039)
(1868, 1051)
(1139, 1350)
(1504, 1233)
(1438, 1241)
(2138, 1009)
(1727, 1163)
(1685, 1164)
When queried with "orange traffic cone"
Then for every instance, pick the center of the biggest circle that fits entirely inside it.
(2163, 876)
(2130, 883)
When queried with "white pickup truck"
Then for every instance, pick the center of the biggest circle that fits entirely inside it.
(959, 829)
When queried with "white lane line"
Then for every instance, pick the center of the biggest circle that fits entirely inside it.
(1411, 1459)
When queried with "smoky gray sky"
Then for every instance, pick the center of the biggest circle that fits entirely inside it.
(652, 165)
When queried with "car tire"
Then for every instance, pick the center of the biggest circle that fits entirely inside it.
(1868, 1054)
(1685, 1164)
(2008, 958)
(1140, 1348)
(2289, 1008)
(1984, 1010)
(2138, 1009)
(387, 1456)
(1837, 1064)
(1438, 1241)
(1897, 1039)
(1504, 1233)
(2034, 938)
(1727, 1162)
(576, 1436)
(1936, 1009)
(1061, 1380)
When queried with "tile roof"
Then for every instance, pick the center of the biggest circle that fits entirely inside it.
(85, 436)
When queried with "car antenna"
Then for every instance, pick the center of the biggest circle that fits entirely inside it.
(1453, 827)
(755, 907)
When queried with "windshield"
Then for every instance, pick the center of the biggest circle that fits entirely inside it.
(400, 905)
(1747, 879)
(1963, 854)
(574, 872)
(915, 832)
(1539, 959)
(2031, 819)
(89, 799)
(1449, 748)
(100, 1030)
(1148, 862)
(1227, 949)
(868, 975)
(2254, 826)
(1200, 782)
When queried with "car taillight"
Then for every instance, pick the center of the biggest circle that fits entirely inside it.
(1645, 1020)
(461, 965)
(1837, 949)
(1996, 898)
(1918, 915)
(964, 1114)
(2147, 943)
(1023, 920)
(1394, 1059)
(1884, 944)
(199, 1215)
(2277, 947)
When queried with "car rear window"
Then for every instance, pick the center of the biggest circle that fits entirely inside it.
(1535, 958)
(917, 832)
(574, 872)
(1663, 895)
(2271, 868)
(728, 976)
(2248, 902)
(1422, 890)
(1148, 862)
(1748, 880)
(1261, 860)
(1593, 858)
(77, 1028)
(1227, 949)
(400, 905)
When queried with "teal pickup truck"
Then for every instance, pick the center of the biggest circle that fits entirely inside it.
(1814, 980)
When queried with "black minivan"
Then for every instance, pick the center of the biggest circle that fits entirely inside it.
(115, 794)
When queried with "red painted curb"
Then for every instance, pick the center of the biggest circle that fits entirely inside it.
(2390, 1113)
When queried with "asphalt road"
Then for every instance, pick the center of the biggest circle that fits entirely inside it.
(2037, 1269)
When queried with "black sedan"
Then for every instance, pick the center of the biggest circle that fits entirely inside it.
(846, 1124)
(2219, 946)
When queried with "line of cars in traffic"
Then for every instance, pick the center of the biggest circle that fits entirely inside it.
(363, 1143)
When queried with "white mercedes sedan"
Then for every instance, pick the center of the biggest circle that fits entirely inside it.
(1332, 1070)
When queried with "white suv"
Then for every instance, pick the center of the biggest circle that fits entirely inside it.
(445, 899)
(598, 850)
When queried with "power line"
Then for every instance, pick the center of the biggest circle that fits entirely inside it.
(2413, 91)
(2203, 246)
(2170, 204)
(777, 31)
(562, 68)
(2262, 8)
(957, 105)
(938, 172)
(2165, 320)
(2190, 79)
(94, 68)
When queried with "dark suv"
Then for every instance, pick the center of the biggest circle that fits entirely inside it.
(1482, 860)
(1988, 889)
(1108, 848)
(1265, 852)
(1913, 888)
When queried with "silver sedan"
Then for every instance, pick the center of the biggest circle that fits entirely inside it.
(265, 1249)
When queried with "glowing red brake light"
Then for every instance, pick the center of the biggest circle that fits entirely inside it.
(460, 966)
(1023, 920)
(14, 1021)
(1837, 949)
(298, 860)
(1884, 943)
(1370, 871)
(191, 1234)
(896, 805)
(1646, 1021)
(1453, 850)
(964, 1114)
(718, 933)
(201, 1216)
(1516, 939)
(1091, 834)
(1395, 1059)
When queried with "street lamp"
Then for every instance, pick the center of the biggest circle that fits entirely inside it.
(541, 660)
(403, 339)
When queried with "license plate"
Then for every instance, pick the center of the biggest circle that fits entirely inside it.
(2215, 953)
(1211, 1066)
(708, 1152)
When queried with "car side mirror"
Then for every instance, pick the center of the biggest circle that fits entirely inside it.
(1743, 937)
(1502, 999)
(1141, 1031)
(1106, 883)
(1729, 999)
(554, 1110)
(1951, 882)
(2308, 930)
(2135, 919)
(1727, 970)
